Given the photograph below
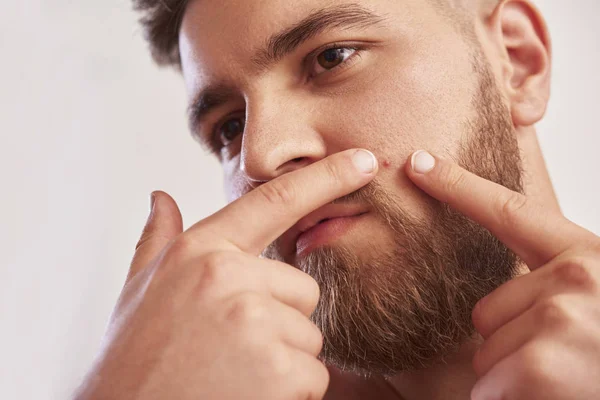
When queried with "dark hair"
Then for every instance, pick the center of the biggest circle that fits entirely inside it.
(161, 22)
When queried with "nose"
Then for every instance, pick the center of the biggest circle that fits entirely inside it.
(278, 138)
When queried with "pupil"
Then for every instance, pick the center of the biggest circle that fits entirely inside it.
(232, 128)
(331, 55)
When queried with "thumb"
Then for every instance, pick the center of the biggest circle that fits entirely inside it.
(164, 223)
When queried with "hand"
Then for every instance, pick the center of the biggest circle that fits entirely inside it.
(202, 317)
(541, 330)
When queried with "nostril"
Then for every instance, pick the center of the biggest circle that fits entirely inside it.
(293, 164)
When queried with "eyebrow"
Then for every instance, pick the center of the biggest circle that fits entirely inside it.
(208, 100)
(279, 45)
(335, 17)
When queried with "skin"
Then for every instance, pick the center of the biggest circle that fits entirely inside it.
(202, 316)
(541, 329)
(199, 307)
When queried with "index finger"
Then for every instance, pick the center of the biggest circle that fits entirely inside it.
(256, 219)
(535, 234)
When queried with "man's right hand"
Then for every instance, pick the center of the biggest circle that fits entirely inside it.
(201, 316)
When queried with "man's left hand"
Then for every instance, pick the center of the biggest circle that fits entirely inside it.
(541, 330)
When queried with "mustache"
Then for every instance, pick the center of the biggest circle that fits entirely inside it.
(381, 201)
(367, 194)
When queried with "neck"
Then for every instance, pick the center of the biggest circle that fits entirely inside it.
(536, 179)
(451, 379)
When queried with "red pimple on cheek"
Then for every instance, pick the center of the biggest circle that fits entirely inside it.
(386, 163)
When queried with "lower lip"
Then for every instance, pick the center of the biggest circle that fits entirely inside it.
(324, 232)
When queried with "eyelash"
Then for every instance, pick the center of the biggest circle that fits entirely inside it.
(310, 61)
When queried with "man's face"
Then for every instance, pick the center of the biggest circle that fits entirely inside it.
(277, 85)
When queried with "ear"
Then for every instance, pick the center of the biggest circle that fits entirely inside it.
(525, 43)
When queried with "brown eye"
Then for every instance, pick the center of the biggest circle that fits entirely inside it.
(230, 130)
(332, 58)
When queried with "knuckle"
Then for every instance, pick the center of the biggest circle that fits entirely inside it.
(278, 192)
(180, 250)
(536, 363)
(212, 261)
(245, 309)
(576, 272)
(512, 205)
(214, 270)
(278, 361)
(552, 313)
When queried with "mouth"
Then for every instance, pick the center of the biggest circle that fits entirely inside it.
(325, 225)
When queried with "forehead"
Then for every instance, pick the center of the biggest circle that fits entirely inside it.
(218, 39)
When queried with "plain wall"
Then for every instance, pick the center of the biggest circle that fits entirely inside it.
(89, 127)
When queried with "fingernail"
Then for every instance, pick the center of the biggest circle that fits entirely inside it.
(364, 161)
(152, 201)
(422, 162)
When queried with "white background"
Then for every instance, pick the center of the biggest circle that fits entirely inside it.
(89, 127)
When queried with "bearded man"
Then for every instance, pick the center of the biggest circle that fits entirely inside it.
(350, 264)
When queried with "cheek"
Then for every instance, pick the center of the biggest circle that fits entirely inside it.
(407, 102)
(412, 104)
(234, 183)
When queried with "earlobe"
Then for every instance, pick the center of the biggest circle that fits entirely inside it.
(526, 43)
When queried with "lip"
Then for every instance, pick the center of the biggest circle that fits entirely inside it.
(312, 228)
(324, 232)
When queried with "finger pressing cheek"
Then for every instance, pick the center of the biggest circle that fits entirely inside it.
(536, 234)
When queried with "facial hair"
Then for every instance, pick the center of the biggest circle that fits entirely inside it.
(410, 305)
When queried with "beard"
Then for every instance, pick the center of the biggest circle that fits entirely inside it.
(410, 305)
